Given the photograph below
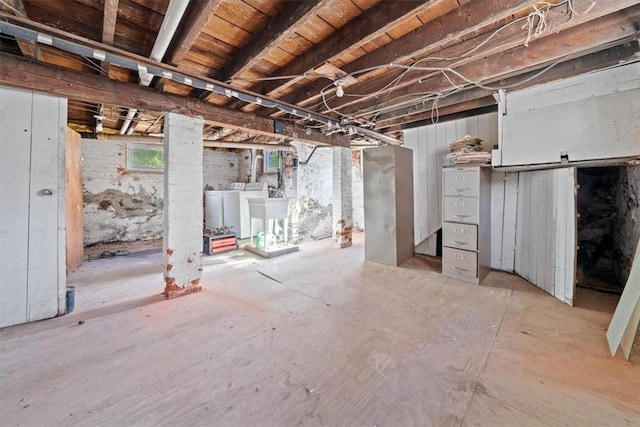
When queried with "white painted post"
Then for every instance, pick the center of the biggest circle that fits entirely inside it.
(182, 243)
(342, 197)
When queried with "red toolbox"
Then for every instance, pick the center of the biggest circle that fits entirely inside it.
(217, 243)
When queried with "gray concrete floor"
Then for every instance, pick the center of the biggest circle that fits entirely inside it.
(316, 337)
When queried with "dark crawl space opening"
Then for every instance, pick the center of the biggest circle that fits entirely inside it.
(603, 200)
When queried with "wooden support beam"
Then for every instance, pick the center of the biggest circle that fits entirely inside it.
(365, 28)
(22, 73)
(109, 21)
(458, 25)
(504, 60)
(594, 61)
(279, 29)
(28, 48)
(109, 18)
(429, 117)
(574, 41)
(196, 18)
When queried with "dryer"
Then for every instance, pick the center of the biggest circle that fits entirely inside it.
(214, 205)
(213, 211)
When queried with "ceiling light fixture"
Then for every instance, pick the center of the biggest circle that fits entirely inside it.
(339, 90)
(99, 118)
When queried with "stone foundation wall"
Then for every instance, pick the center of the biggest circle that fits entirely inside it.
(627, 229)
(122, 205)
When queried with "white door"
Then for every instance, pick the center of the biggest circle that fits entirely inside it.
(546, 231)
(32, 183)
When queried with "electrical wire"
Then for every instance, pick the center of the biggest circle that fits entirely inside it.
(536, 25)
(290, 77)
(16, 11)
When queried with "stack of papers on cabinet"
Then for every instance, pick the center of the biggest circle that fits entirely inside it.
(468, 150)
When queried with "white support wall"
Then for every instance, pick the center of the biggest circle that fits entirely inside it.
(342, 197)
(357, 190)
(183, 216)
(312, 187)
(32, 206)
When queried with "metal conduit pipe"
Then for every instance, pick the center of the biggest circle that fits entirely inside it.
(303, 163)
(170, 23)
(210, 144)
(127, 121)
(254, 165)
(247, 145)
(132, 62)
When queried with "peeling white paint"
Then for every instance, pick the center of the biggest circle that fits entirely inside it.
(122, 205)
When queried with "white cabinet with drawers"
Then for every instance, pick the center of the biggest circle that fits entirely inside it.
(466, 228)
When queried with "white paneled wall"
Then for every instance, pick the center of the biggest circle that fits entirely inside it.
(546, 231)
(430, 145)
(32, 206)
(533, 213)
(504, 201)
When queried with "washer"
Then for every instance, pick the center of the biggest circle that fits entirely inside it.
(236, 208)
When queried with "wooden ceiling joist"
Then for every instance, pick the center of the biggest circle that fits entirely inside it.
(28, 48)
(21, 73)
(594, 61)
(459, 24)
(110, 16)
(366, 27)
(278, 29)
(265, 56)
(610, 28)
(109, 21)
(507, 44)
(196, 18)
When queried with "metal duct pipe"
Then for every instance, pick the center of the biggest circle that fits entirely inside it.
(133, 62)
(304, 163)
(247, 145)
(205, 143)
(127, 121)
(254, 164)
(170, 23)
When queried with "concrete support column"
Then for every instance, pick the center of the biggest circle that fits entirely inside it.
(182, 243)
(291, 161)
(342, 197)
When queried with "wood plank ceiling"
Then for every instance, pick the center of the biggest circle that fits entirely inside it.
(399, 63)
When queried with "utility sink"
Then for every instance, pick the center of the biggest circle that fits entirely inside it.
(270, 208)
(265, 209)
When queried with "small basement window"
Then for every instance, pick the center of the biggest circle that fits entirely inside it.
(145, 157)
(271, 161)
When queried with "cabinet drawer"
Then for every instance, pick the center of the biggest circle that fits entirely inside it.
(461, 182)
(461, 236)
(458, 262)
(461, 209)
